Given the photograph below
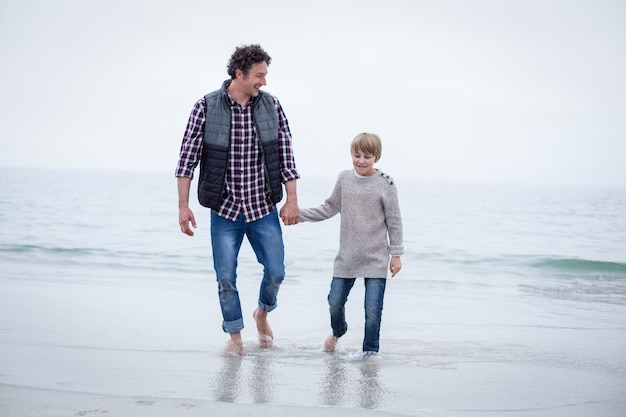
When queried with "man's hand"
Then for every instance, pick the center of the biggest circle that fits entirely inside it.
(185, 216)
(290, 213)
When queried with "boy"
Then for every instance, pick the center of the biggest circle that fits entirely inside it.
(371, 232)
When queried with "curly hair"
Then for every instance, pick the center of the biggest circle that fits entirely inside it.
(245, 57)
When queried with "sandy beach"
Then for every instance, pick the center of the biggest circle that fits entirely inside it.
(124, 350)
(30, 402)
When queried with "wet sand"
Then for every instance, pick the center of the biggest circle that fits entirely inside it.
(70, 349)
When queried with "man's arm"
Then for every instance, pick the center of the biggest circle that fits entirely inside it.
(185, 215)
(290, 212)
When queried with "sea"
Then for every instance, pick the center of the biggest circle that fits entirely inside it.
(511, 300)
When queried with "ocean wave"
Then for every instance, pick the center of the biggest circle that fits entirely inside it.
(105, 258)
(577, 264)
(604, 268)
(29, 248)
(118, 254)
(577, 279)
(578, 292)
(562, 265)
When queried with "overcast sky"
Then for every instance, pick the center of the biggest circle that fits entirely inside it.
(524, 91)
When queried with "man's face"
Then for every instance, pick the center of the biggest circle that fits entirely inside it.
(252, 83)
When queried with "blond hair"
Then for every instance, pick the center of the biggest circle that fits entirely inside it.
(368, 143)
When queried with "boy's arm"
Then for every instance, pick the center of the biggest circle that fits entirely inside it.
(331, 206)
(393, 219)
(317, 214)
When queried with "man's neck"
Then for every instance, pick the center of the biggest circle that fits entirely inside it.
(241, 98)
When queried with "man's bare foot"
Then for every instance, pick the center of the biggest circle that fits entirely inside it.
(235, 345)
(266, 337)
(330, 343)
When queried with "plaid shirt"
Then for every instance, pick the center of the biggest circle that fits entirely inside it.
(245, 179)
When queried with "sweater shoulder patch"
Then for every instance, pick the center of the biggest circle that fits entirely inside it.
(386, 177)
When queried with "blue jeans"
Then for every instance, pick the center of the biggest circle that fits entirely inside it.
(374, 295)
(266, 238)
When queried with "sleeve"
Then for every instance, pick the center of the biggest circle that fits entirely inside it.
(287, 160)
(393, 219)
(191, 147)
(331, 206)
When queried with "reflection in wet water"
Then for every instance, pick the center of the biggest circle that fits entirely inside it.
(255, 370)
(350, 381)
(267, 377)
(333, 384)
(370, 389)
(261, 379)
(227, 381)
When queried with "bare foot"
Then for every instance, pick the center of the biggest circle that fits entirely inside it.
(266, 337)
(330, 343)
(233, 349)
(235, 345)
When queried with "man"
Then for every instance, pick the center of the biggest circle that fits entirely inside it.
(241, 138)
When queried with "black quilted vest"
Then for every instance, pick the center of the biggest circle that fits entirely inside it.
(216, 145)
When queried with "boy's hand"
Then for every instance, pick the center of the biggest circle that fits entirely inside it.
(395, 265)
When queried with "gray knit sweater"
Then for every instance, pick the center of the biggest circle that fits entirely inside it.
(371, 225)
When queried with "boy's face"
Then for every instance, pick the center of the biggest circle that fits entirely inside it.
(363, 163)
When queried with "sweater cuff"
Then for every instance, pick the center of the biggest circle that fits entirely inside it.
(396, 250)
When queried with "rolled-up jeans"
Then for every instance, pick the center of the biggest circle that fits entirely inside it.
(266, 238)
(373, 306)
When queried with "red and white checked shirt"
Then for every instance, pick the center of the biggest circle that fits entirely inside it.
(245, 179)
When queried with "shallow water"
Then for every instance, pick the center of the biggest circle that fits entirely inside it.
(512, 300)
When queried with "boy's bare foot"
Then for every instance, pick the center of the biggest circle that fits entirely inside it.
(266, 337)
(235, 345)
(330, 343)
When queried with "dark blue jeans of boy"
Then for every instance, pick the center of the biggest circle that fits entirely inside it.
(373, 305)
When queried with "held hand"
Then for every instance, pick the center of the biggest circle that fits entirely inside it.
(395, 265)
(290, 213)
(185, 216)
